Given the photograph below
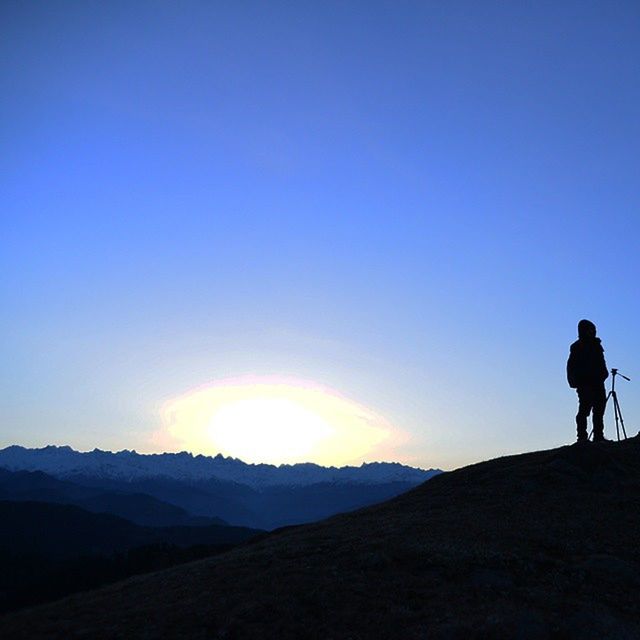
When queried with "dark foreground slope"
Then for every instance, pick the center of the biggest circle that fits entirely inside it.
(50, 550)
(541, 545)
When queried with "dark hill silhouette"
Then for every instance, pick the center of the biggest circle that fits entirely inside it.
(266, 508)
(282, 506)
(37, 485)
(144, 510)
(206, 498)
(534, 546)
(58, 530)
(140, 508)
(163, 501)
(48, 550)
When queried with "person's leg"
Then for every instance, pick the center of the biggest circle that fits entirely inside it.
(599, 405)
(584, 409)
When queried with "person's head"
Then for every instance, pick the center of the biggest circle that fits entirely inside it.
(586, 329)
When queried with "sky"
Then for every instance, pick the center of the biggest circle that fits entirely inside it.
(380, 221)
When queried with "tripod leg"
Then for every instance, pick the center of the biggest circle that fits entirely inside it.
(614, 397)
(606, 402)
(616, 405)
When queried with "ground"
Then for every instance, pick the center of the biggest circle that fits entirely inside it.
(534, 546)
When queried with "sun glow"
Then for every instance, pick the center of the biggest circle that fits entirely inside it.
(274, 420)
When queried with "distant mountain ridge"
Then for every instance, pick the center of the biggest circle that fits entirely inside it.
(63, 461)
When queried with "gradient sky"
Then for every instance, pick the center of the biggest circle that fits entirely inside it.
(408, 203)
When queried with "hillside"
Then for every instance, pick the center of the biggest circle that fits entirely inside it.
(533, 546)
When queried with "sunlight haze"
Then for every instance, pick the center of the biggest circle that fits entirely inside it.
(275, 421)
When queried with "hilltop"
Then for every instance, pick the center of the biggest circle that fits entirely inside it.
(533, 546)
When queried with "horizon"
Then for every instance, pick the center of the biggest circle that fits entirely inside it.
(214, 456)
(324, 233)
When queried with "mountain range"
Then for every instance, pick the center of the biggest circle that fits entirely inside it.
(129, 465)
(538, 546)
(182, 489)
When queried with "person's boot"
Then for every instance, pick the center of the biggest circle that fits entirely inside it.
(598, 428)
(581, 429)
(583, 438)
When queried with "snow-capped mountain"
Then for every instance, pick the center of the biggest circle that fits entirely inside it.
(130, 465)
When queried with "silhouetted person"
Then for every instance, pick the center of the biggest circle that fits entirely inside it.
(586, 373)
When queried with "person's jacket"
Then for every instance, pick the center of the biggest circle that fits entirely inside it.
(586, 365)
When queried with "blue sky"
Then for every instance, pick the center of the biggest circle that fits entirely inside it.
(412, 203)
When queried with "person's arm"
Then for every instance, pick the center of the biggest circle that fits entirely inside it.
(571, 370)
(604, 372)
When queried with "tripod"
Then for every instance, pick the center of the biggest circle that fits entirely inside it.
(617, 412)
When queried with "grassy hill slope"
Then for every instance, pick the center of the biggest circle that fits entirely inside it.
(534, 546)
